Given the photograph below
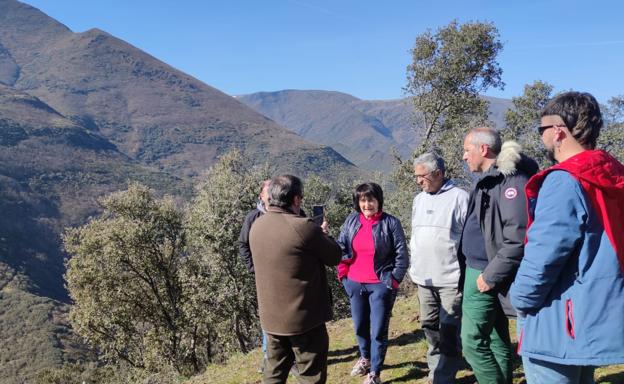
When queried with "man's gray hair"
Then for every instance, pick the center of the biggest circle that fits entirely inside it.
(488, 136)
(283, 189)
(431, 161)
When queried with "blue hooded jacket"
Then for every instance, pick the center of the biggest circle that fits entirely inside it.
(569, 289)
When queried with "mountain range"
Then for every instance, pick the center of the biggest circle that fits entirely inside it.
(83, 114)
(149, 110)
(364, 131)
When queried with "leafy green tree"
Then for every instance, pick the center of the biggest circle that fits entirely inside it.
(450, 69)
(128, 277)
(159, 289)
(400, 190)
(229, 190)
(614, 110)
(334, 195)
(611, 137)
(522, 120)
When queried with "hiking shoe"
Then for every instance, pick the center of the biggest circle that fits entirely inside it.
(361, 368)
(372, 379)
(262, 365)
(294, 371)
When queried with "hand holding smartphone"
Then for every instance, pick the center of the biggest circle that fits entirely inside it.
(318, 214)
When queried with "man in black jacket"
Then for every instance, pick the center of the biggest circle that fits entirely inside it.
(243, 240)
(491, 248)
(243, 244)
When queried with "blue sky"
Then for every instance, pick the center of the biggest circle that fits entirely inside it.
(359, 47)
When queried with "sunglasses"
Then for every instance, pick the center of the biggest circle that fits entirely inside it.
(543, 128)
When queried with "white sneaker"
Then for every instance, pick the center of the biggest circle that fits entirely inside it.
(372, 378)
(361, 368)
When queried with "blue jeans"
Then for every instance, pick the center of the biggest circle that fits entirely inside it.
(264, 344)
(371, 307)
(544, 372)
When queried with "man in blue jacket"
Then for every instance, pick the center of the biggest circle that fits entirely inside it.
(569, 289)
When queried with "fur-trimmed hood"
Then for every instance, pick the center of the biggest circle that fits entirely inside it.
(511, 160)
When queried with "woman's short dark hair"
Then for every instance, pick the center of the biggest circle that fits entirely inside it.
(581, 114)
(367, 190)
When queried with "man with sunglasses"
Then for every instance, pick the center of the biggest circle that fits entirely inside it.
(438, 214)
(569, 290)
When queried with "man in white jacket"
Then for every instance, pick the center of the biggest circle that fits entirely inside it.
(438, 215)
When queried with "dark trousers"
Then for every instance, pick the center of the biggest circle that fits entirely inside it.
(371, 306)
(308, 351)
(440, 318)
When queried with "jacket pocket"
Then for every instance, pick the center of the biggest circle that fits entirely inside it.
(569, 318)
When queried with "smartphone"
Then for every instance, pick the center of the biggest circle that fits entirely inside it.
(318, 214)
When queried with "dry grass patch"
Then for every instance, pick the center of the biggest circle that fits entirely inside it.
(405, 359)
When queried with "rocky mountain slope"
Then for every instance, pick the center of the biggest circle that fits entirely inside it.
(148, 109)
(82, 115)
(364, 131)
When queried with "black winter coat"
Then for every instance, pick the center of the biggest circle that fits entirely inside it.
(244, 250)
(499, 197)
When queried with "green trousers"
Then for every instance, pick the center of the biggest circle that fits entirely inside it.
(485, 334)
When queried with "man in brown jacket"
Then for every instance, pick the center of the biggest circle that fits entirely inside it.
(289, 254)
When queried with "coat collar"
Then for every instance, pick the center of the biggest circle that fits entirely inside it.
(275, 209)
(510, 161)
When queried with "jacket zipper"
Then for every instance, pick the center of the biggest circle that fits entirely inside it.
(569, 315)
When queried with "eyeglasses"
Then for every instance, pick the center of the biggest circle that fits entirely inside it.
(425, 176)
(543, 128)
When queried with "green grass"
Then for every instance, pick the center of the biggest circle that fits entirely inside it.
(405, 359)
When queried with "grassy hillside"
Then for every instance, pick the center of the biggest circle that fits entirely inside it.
(405, 360)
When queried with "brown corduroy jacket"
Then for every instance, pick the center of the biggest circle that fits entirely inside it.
(289, 254)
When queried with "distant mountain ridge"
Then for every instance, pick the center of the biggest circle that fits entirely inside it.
(149, 110)
(363, 131)
(82, 115)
